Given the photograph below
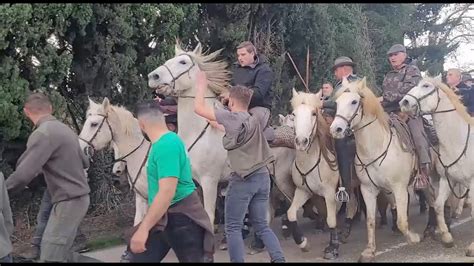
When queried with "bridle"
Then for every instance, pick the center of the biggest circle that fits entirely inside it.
(174, 79)
(418, 103)
(89, 142)
(349, 129)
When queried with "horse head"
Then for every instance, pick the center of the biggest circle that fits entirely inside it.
(97, 130)
(306, 112)
(177, 76)
(423, 98)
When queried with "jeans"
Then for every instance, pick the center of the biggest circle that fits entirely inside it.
(415, 124)
(181, 234)
(252, 194)
(7, 259)
(42, 220)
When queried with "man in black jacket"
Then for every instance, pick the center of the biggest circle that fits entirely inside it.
(455, 82)
(252, 71)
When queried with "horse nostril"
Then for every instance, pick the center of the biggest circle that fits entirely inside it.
(405, 102)
(338, 130)
(156, 76)
(305, 141)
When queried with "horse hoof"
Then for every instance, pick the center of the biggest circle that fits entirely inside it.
(365, 259)
(447, 240)
(413, 238)
(470, 250)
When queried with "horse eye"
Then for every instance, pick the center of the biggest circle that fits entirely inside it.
(94, 124)
(313, 113)
(182, 62)
(425, 86)
(354, 102)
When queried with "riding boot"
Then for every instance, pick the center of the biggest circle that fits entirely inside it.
(345, 152)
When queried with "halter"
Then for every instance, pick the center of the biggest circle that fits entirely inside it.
(89, 142)
(418, 103)
(349, 121)
(182, 73)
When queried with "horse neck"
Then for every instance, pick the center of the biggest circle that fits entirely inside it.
(450, 127)
(190, 125)
(372, 140)
(127, 143)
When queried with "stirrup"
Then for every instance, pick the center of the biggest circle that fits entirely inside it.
(342, 195)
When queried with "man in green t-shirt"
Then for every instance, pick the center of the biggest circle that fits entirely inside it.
(173, 202)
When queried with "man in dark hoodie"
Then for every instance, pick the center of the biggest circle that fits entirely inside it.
(397, 83)
(455, 82)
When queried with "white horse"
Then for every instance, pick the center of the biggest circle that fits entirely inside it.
(177, 77)
(381, 162)
(106, 123)
(455, 131)
(315, 168)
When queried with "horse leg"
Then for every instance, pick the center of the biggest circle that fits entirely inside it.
(401, 199)
(443, 195)
(459, 208)
(470, 249)
(382, 206)
(351, 210)
(301, 196)
(141, 206)
(209, 190)
(370, 199)
(332, 250)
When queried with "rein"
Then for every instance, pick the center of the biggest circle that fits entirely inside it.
(446, 167)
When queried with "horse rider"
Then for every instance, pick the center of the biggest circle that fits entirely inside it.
(455, 82)
(170, 108)
(345, 148)
(396, 84)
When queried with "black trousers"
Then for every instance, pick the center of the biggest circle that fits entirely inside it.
(181, 234)
(345, 152)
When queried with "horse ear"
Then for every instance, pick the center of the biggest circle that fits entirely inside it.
(177, 47)
(106, 104)
(91, 102)
(364, 82)
(198, 49)
(281, 119)
(345, 82)
(294, 92)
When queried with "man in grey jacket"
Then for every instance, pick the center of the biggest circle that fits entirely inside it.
(6, 223)
(53, 148)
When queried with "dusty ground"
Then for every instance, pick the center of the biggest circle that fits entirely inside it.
(390, 247)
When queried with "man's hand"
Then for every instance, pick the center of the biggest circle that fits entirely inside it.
(224, 97)
(138, 241)
(201, 81)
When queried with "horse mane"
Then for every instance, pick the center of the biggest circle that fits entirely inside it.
(126, 120)
(370, 103)
(325, 140)
(453, 98)
(310, 99)
(216, 70)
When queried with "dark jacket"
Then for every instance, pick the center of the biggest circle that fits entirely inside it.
(397, 83)
(467, 96)
(259, 77)
(53, 148)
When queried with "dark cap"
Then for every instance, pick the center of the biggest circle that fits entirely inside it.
(396, 48)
